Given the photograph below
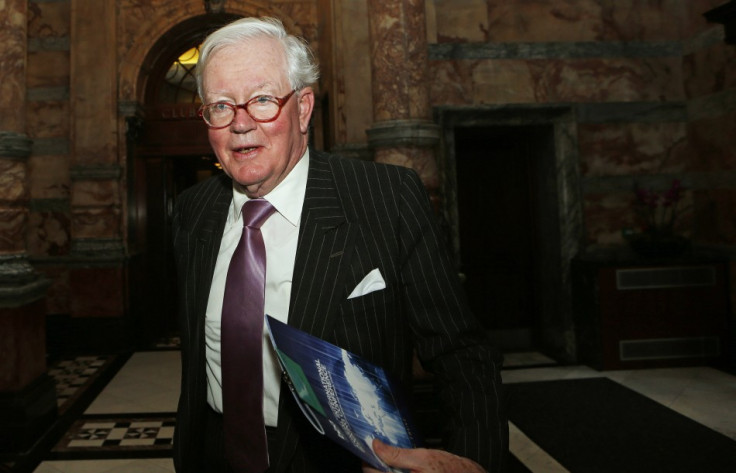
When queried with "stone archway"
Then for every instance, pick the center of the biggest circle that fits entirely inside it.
(167, 153)
(167, 146)
(142, 28)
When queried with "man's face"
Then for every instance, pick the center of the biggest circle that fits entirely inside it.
(256, 155)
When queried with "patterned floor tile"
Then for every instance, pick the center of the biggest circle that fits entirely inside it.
(119, 434)
(73, 375)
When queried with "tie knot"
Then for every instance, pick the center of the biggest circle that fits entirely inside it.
(256, 212)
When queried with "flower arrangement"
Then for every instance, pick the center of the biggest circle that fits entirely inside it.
(658, 211)
(658, 214)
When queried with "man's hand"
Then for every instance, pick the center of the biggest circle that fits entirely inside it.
(422, 460)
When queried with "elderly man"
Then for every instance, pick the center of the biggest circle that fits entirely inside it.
(291, 232)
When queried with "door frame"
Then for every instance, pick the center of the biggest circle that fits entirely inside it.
(555, 325)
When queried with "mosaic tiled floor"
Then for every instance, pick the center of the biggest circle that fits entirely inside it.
(110, 435)
(128, 425)
(104, 435)
(99, 436)
(74, 375)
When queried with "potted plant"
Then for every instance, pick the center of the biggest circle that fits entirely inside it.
(658, 214)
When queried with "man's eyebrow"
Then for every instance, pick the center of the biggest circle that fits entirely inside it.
(259, 87)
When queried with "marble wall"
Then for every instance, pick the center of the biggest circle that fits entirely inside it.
(651, 84)
(649, 87)
(48, 111)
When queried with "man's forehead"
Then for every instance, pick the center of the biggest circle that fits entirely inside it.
(254, 54)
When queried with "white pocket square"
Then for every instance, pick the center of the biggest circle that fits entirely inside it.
(372, 281)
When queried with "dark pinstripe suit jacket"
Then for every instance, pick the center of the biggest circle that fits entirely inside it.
(357, 216)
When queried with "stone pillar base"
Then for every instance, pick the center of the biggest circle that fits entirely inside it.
(25, 415)
(27, 393)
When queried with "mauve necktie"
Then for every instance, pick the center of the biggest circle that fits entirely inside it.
(242, 345)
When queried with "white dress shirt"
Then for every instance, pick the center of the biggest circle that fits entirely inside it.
(280, 233)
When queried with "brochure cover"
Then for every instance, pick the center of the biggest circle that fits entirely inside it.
(345, 397)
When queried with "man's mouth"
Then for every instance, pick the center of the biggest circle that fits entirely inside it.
(245, 149)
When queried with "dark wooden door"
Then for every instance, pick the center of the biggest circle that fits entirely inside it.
(497, 176)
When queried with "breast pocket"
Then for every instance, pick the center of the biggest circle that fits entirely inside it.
(371, 313)
(369, 325)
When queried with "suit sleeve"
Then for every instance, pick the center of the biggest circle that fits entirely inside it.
(184, 441)
(449, 340)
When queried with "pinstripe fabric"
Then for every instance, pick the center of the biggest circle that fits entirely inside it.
(198, 224)
(357, 216)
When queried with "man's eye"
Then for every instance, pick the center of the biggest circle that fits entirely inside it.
(263, 99)
(220, 107)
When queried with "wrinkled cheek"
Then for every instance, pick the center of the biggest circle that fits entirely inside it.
(215, 138)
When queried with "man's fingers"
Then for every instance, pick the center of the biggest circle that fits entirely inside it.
(385, 452)
(395, 456)
(421, 460)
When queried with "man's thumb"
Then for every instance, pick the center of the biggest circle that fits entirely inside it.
(390, 455)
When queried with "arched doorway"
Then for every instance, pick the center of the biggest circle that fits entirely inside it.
(170, 153)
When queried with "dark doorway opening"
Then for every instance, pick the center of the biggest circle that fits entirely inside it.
(505, 223)
(161, 179)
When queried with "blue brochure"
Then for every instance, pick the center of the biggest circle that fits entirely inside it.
(345, 397)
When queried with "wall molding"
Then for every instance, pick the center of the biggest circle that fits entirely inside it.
(93, 252)
(391, 133)
(690, 181)
(15, 145)
(555, 50)
(95, 172)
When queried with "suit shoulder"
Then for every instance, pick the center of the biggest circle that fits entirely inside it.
(365, 186)
(365, 173)
(205, 189)
(201, 199)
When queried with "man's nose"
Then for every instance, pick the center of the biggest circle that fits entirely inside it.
(242, 122)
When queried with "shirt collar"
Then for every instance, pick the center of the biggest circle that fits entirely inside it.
(287, 197)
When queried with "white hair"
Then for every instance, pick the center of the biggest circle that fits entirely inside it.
(301, 68)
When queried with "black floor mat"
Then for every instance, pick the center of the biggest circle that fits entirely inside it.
(597, 425)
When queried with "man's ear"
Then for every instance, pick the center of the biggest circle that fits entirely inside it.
(306, 107)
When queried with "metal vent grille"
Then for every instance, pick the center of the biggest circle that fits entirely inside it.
(665, 348)
(671, 277)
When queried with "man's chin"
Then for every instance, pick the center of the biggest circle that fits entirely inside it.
(253, 188)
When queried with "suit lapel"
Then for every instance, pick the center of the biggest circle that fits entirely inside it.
(324, 246)
(208, 238)
(325, 243)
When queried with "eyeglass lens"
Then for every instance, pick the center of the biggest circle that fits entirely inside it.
(263, 108)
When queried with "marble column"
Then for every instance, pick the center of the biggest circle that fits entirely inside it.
(97, 257)
(27, 394)
(402, 132)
